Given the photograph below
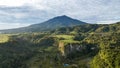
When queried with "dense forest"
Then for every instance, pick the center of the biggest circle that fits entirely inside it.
(83, 46)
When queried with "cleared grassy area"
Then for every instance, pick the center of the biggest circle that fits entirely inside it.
(4, 38)
(69, 41)
(66, 38)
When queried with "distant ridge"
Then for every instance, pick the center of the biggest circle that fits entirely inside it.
(51, 24)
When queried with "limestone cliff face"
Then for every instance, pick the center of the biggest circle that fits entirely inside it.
(71, 48)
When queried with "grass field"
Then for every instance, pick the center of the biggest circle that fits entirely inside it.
(66, 38)
(4, 38)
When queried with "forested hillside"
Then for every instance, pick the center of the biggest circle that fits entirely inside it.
(83, 46)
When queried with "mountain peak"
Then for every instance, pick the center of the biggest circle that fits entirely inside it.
(63, 21)
(62, 17)
(51, 24)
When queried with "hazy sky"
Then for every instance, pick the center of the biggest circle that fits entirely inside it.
(19, 13)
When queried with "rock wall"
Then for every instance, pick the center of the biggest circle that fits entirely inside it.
(71, 48)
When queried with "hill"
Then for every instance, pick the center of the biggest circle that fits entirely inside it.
(89, 28)
(51, 24)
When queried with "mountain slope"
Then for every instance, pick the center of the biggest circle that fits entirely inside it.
(56, 22)
(89, 28)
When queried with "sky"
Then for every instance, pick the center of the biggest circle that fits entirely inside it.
(21, 13)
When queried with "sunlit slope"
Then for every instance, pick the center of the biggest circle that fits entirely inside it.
(3, 38)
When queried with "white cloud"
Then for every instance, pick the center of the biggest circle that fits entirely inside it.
(36, 11)
(12, 25)
(13, 2)
(107, 22)
(16, 15)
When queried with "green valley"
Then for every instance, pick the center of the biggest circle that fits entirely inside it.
(83, 46)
